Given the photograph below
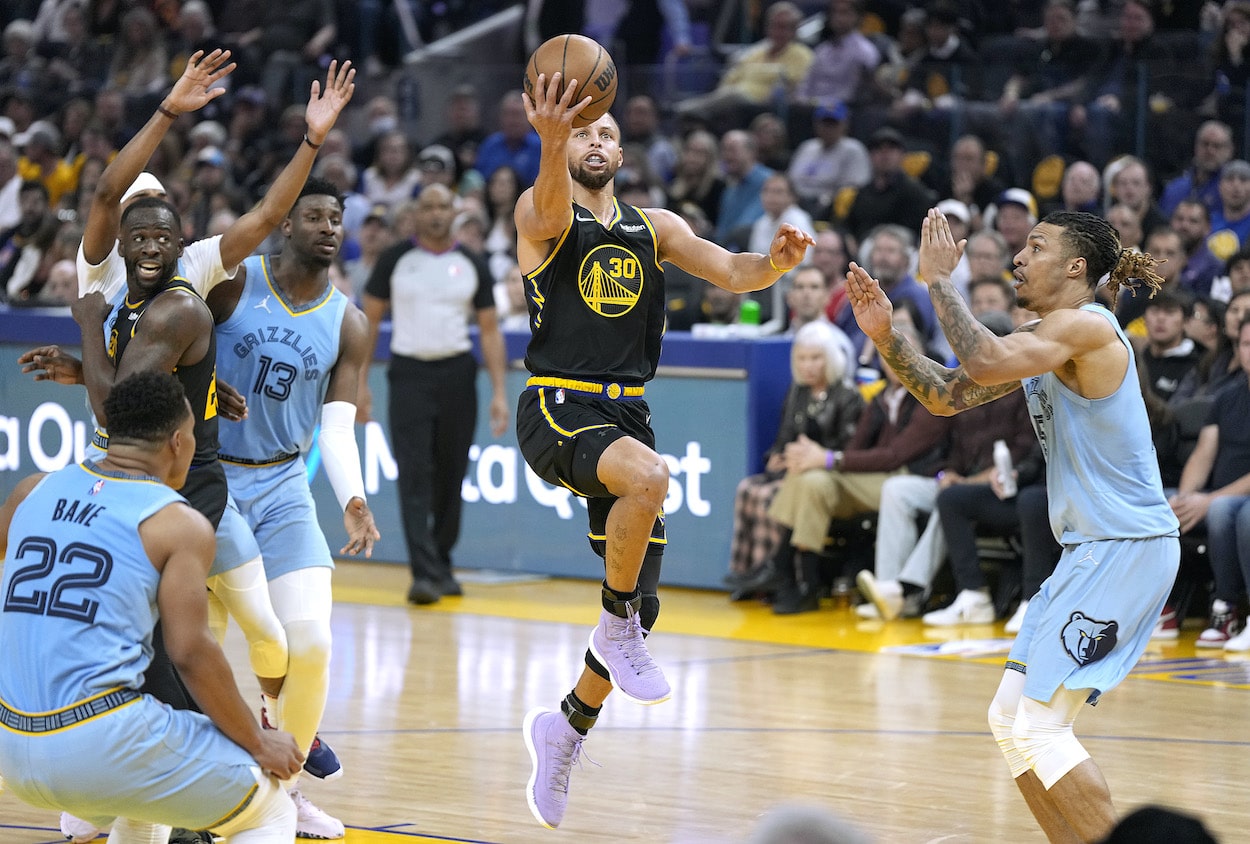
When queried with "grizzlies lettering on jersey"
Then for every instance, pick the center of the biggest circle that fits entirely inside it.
(280, 357)
(79, 590)
(1102, 473)
(199, 380)
(597, 303)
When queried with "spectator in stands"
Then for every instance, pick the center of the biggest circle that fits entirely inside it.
(1128, 184)
(891, 196)
(697, 178)
(1213, 148)
(831, 256)
(17, 104)
(843, 62)
(437, 166)
(373, 238)
(510, 302)
(515, 143)
(772, 141)
(1205, 325)
(765, 73)
(990, 294)
(780, 204)
(1165, 246)
(888, 250)
(464, 132)
(640, 127)
(20, 65)
(61, 287)
(715, 306)
(1014, 216)
(894, 434)
(140, 63)
(967, 178)
(1047, 80)
(1168, 355)
(77, 65)
(744, 176)
(10, 185)
(41, 161)
(393, 177)
(1215, 487)
(985, 258)
(295, 35)
(213, 189)
(23, 246)
(1231, 65)
(945, 75)
(1081, 189)
(906, 559)
(820, 407)
(1127, 224)
(1191, 219)
(1220, 365)
(1230, 221)
(830, 161)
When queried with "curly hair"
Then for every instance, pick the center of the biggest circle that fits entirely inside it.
(317, 186)
(145, 407)
(1091, 237)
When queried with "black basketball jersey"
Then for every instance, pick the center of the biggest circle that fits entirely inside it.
(199, 380)
(597, 303)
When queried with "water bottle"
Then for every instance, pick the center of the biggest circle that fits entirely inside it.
(1002, 465)
(749, 312)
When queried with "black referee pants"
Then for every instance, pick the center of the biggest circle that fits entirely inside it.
(433, 413)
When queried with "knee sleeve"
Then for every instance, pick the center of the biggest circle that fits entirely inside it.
(218, 618)
(244, 593)
(1002, 717)
(268, 819)
(127, 831)
(309, 647)
(1043, 734)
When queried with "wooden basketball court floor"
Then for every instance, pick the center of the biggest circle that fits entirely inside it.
(883, 724)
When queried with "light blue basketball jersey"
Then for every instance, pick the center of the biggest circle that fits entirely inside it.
(1102, 473)
(79, 590)
(280, 359)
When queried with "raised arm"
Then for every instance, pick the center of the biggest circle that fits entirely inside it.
(545, 210)
(250, 230)
(193, 90)
(739, 273)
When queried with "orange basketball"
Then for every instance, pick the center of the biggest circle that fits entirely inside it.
(580, 58)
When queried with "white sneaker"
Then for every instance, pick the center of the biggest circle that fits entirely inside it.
(886, 595)
(867, 610)
(1239, 643)
(77, 830)
(971, 606)
(311, 822)
(1016, 621)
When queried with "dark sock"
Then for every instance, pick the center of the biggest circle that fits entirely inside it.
(581, 715)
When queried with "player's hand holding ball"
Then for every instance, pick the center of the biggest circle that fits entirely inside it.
(570, 81)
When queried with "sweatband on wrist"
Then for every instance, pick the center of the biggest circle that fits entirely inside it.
(161, 108)
(776, 268)
(829, 460)
(308, 141)
(339, 452)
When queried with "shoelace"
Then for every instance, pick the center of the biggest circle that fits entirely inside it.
(569, 752)
(628, 638)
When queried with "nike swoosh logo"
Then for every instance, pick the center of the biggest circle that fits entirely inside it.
(582, 219)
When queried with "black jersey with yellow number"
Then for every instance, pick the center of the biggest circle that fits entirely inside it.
(597, 303)
(199, 380)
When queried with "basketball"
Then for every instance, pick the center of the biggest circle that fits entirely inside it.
(581, 58)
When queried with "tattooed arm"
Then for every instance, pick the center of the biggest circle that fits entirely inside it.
(942, 390)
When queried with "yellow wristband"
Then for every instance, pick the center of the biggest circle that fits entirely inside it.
(776, 268)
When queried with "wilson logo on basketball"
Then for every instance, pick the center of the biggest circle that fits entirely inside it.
(603, 80)
(610, 280)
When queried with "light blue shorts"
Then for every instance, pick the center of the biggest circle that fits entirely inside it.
(277, 506)
(143, 761)
(1092, 619)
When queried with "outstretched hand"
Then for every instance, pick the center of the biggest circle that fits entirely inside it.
(550, 112)
(324, 106)
(49, 363)
(194, 89)
(871, 306)
(789, 246)
(939, 253)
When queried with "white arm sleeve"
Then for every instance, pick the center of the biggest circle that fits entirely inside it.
(339, 452)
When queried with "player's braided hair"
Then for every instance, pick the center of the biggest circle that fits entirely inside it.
(1094, 239)
(145, 407)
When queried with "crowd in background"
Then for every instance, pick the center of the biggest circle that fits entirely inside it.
(847, 118)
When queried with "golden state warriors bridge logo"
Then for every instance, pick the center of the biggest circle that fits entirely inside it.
(610, 280)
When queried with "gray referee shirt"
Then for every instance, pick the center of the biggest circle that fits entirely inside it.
(432, 297)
